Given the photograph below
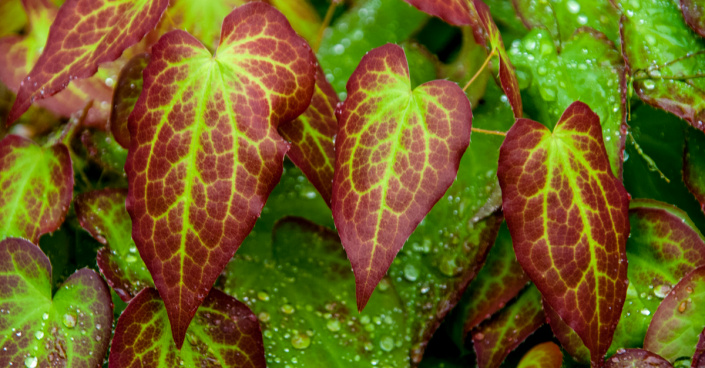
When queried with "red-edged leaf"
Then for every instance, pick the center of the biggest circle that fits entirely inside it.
(694, 165)
(102, 213)
(570, 341)
(636, 358)
(312, 137)
(568, 216)
(546, 355)
(36, 186)
(699, 356)
(678, 321)
(497, 337)
(397, 152)
(455, 12)
(85, 34)
(127, 89)
(224, 334)
(204, 149)
(37, 329)
(18, 54)
(694, 14)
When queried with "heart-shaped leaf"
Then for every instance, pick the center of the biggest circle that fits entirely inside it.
(694, 14)
(694, 165)
(545, 355)
(225, 333)
(70, 329)
(397, 152)
(501, 334)
(312, 137)
(127, 89)
(36, 185)
(665, 57)
(678, 321)
(204, 149)
(568, 217)
(76, 46)
(102, 213)
(557, 76)
(636, 358)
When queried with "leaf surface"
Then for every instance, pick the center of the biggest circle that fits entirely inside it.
(699, 356)
(397, 152)
(225, 333)
(637, 358)
(71, 330)
(545, 355)
(204, 149)
(694, 14)
(678, 321)
(694, 165)
(12, 17)
(85, 34)
(568, 217)
(127, 90)
(36, 185)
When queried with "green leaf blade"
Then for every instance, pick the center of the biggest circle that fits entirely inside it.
(546, 355)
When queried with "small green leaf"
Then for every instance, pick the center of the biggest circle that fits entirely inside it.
(70, 330)
(36, 186)
(637, 358)
(545, 355)
(694, 165)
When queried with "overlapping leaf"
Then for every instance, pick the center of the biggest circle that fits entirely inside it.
(127, 90)
(302, 16)
(636, 358)
(665, 57)
(85, 34)
(678, 322)
(497, 337)
(36, 185)
(204, 150)
(69, 329)
(699, 356)
(102, 149)
(568, 217)
(225, 333)
(545, 355)
(202, 19)
(102, 213)
(694, 14)
(570, 341)
(397, 152)
(312, 137)
(694, 165)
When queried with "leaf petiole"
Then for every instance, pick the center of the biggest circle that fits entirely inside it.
(492, 132)
(649, 161)
(484, 65)
(326, 22)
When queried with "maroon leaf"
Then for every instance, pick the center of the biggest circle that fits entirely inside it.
(694, 14)
(699, 356)
(636, 358)
(570, 341)
(127, 89)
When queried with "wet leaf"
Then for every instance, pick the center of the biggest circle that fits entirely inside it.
(545, 355)
(694, 14)
(694, 165)
(637, 358)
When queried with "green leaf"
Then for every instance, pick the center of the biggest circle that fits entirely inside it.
(71, 330)
(196, 183)
(665, 57)
(304, 300)
(302, 16)
(678, 321)
(568, 217)
(102, 213)
(202, 19)
(637, 358)
(588, 68)
(545, 355)
(36, 185)
(127, 89)
(497, 337)
(12, 17)
(75, 46)
(224, 333)
(694, 165)
(365, 26)
(397, 152)
(104, 151)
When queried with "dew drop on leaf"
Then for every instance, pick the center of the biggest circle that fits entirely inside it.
(69, 320)
(300, 341)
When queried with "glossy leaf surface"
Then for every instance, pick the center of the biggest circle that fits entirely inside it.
(497, 337)
(637, 358)
(679, 320)
(224, 334)
(312, 137)
(555, 77)
(102, 213)
(36, 186)
(545, 355)
(568, 216)
(127, 90)
(397, 152)
(77, 45)
(694, 14)
(664, 55)
(70, 329)
(204, 150)
(694, 165)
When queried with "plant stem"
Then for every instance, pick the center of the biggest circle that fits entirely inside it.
(492, 132)
(649, 160)
(482, 68)
(326, 23)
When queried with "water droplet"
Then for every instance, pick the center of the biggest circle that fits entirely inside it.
(582, 19)
(263, 316)
(689, 290)
(573, 7)
(645, 312)
(263, 296)
(387, 343)
(30, 362)
(300, 341)
(411, 273)
(288, 309)
(682, 306)
(530, 44)
(45, 316)
(338, 49)
(662, 290)
(39, 335)
(479, 336)
(69, 320)
(649, 84)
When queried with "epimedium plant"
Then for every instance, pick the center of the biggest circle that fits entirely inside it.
(225, 164)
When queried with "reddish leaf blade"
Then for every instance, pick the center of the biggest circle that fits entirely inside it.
(497, 337)
(397, 152)
(694, 14)
(570, 341)
(76, 45)
(70, 329)
(694, 165)
(102, 213)
(455, 12)
(568, 216)
(127, 89)
(546, 355)
(36, 186)
(636, 358)
(312, 137)
(224, 331)
(699, 356)
(204, 151)
(679, 319)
